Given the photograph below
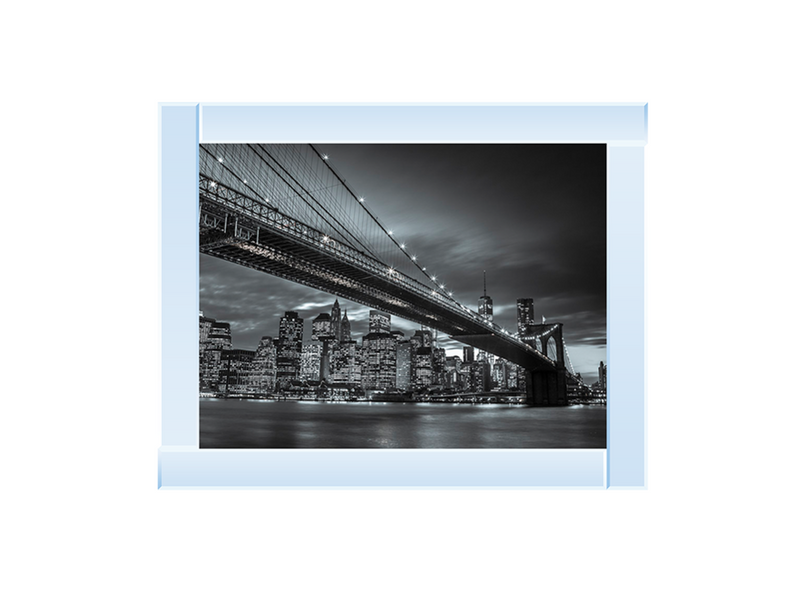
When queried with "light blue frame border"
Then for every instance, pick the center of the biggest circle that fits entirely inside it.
(622, 126)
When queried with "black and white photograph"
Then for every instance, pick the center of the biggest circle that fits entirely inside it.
(402, 296)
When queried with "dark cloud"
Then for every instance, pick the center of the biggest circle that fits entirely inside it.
(532, 216)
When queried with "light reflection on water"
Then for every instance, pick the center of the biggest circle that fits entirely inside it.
(314, 424)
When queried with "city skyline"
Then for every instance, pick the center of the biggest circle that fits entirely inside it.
(532, 216)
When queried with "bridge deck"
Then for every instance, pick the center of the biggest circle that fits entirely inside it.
(245, 231)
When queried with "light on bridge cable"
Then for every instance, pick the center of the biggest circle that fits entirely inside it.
(220, 159)
(390, 232)
(325, 156)
(362, 200)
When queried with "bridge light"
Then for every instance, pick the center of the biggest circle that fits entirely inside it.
(220, 159)
(402, 245)
(244, 182)
(390, 232)
(362, 200)
(414, 258)
(424, 269)
(442, 286)
(213, 184)
(325, 156)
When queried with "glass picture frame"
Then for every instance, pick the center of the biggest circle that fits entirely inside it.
(621, 126)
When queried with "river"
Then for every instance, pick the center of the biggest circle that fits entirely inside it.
(237, 423)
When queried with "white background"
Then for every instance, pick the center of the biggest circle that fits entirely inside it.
(83, 520)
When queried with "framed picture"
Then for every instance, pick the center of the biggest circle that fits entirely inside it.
(402, 296)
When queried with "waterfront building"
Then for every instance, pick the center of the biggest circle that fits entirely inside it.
(379, 322)
(601, 375)
(465, 379)
(468, 354)
(204, 326)
(329, 344)
(512, 376)
(265, 366)
(452, 372)
(344, 364)
(379, 370)
(499, 374)
(289, 348)
(403, 365)
(239, 374)
(481, 376)
(439, 367)
(214, 338)
(311, 360)
(524, 314)
(422, 368)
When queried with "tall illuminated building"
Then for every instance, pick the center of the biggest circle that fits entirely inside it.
(265, 366)
(335, 318)
(422, 364)
(346, 329)
(214, 339)
(379, 371)
(311, 360)
(403, 365)
(345, 368)
(289, 349)
(524, 314)
(485, 307)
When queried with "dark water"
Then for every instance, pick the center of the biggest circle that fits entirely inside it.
(263, 424)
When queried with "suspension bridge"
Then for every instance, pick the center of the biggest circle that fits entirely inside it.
(284, 210)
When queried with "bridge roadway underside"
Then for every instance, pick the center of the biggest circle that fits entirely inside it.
(281, 254)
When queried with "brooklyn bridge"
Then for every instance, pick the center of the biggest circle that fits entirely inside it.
(286, 211)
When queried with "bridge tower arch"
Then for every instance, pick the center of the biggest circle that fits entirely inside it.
(547, 387)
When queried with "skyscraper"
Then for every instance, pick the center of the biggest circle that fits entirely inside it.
(335, 317)
(379, 371)
(265, 366)
(422, 361)
(289, 348)
(214, 338)
(311, 360)
(524, 314)
(485, 307)
(346, 329)
(468, 354)
(601, 375)
(403, 365)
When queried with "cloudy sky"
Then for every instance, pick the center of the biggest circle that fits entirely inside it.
(532, 216)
